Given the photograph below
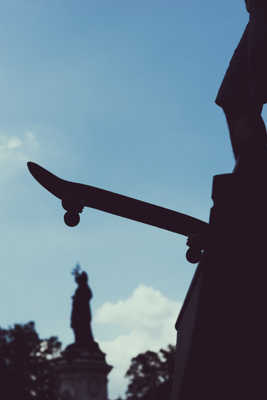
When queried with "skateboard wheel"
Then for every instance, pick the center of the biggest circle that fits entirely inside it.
(71, 219)
(193, 256)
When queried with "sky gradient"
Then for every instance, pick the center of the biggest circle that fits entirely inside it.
(119, 95)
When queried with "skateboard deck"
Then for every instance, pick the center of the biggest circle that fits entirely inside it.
(75, 196)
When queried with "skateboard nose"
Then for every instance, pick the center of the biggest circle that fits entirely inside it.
(30, 165)
(34, 168)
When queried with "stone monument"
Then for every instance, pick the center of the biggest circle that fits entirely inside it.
(82, 370)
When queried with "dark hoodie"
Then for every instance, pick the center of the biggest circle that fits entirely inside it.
(253, 5)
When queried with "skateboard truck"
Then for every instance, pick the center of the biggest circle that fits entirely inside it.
(73, 208)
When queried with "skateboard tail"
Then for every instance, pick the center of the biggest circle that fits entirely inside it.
(57, 186)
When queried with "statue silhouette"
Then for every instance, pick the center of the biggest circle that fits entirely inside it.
(81, 316)
(243, 92)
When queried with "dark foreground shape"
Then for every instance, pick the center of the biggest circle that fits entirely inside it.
(222, 330)
(76, 196)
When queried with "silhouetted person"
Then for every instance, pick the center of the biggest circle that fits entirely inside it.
(244, 91)
(81, 314)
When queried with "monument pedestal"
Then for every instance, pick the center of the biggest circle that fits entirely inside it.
(222, 334)
(82, 373)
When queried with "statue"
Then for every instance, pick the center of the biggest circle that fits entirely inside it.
(81, 316)
(243, 92)
(82, 369)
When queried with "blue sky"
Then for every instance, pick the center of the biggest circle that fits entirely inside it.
(119, 95)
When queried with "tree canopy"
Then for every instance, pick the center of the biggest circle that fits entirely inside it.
(25, 363)
(150, 375)
(26, 367)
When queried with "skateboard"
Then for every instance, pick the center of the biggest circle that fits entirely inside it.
(75, 196)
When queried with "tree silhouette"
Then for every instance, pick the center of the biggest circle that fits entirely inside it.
(150, 375)
(25, 363)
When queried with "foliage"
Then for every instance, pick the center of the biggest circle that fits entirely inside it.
(25, 367)
(150, 375)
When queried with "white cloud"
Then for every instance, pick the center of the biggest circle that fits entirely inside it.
(15, 151)
(14, 148)
(9, 143)
(148, 317)
(31, 138)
